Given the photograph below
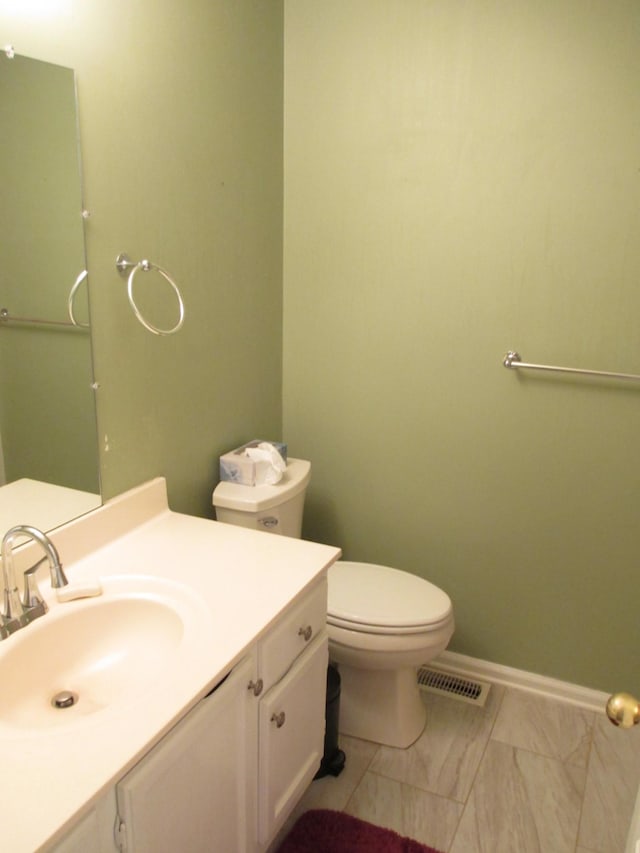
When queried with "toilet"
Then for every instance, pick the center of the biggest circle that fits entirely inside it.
(382, 623)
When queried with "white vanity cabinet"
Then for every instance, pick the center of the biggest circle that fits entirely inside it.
(226, 777)
(293, 661)
(195, 789)
(93, 832)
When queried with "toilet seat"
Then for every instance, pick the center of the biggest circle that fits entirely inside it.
(373, 599)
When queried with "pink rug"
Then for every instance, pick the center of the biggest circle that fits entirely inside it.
(325, 831)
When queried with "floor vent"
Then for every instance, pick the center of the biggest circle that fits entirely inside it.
(453, 686)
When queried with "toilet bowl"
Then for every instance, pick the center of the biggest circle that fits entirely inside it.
(382, 623)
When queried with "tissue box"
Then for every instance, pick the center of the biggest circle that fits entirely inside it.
(235, 467)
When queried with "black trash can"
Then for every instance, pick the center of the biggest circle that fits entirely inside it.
(333, 758)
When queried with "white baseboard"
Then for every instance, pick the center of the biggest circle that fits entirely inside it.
(563, 691)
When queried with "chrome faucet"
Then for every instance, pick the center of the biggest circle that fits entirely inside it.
(17, 613)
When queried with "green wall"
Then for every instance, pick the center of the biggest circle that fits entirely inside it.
(181, 133)
(462, 179)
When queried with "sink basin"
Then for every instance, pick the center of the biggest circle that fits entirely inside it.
(92, 654)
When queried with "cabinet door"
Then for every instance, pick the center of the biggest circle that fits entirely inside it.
(291, 737)
(195, 790)
(94, 831)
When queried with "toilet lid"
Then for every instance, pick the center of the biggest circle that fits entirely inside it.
(378, 599)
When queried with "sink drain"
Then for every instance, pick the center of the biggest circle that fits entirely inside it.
(64, 699)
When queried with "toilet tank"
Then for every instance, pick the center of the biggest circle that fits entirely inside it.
(276, 509)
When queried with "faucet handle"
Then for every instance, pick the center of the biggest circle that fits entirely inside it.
(14, 615)
(33, 603)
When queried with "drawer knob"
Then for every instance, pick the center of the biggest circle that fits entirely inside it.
(278, 719)
(306, 633)
(256, 686)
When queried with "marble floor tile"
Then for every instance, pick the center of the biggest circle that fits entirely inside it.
(521, 802)
(333, 792)
(545, 726)
(445, 758)
(407, 810)
(612, 782)
(526, 774)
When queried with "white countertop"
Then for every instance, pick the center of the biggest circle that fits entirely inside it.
(43, 505)
(241, 580)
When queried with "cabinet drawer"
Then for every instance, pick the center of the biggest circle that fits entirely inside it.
(293, 633)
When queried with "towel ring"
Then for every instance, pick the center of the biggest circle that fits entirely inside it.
(123, 263)
(72, 295)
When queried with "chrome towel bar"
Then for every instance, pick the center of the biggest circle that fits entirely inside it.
(6, 317)
(512, 359)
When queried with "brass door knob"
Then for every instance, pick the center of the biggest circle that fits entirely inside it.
(623, 710)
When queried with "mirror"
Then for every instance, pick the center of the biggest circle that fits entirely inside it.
(49, 469)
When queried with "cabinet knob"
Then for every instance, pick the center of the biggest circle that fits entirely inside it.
(278, 719)
(256, 686)
(306, 633)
